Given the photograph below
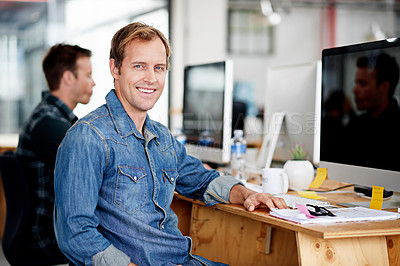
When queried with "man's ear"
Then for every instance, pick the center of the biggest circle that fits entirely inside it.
(385, 87)
(113, 69)
(67, 77)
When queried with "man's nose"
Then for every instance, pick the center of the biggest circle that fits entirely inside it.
(150, 76)
(356, 89)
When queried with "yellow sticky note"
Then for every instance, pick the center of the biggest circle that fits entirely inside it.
(377, 198)
(310, 195)
(322, 173)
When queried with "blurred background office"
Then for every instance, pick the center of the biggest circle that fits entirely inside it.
(254, 34)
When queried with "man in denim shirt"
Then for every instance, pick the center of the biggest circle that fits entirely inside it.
(117, 170)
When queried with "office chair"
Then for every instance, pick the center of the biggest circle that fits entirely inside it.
(17, 203)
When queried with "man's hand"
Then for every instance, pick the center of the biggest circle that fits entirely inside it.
(252, 200)
(257, 200)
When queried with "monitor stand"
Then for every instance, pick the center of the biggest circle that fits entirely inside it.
(270, 140)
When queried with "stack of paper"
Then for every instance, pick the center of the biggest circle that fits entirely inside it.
(342, 215)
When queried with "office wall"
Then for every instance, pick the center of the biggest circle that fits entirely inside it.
(300, 37)
(297, 39)
(354, 26)
(29, 28)
(205, 31)
(198, 34)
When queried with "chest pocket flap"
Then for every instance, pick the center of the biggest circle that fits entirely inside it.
(171, 175)
(135, 174)
(131, 188)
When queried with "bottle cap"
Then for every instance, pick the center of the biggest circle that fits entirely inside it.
(238, 133)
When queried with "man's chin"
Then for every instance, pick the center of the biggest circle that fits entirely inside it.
(86, 101)
(360, 106)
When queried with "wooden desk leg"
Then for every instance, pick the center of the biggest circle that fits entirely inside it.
(268, 238)
(183, 209)
(393, 247)
(345, 251)
(3, 209)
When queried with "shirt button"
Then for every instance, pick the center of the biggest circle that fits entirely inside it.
(135, 178)
(162, 226)
(172, 179)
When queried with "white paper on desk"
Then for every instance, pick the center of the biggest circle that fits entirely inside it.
(342, 215)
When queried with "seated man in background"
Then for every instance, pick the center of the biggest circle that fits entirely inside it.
(373, 135)
(68, 73)
(117, 170)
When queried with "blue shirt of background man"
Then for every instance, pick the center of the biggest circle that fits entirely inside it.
(114, 188)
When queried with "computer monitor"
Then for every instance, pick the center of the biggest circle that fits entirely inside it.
(360, 121)
(293, 92)
(207, 107)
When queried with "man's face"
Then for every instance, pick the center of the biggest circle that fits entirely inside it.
(140, 81)
(366, 92)
(83, 84)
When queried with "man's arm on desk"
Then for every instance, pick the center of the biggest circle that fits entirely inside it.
(251, 200)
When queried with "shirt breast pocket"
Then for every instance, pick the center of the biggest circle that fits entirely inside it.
(170, 176)
(131, 188)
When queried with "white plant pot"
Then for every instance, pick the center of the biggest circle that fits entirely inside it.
(300, 174)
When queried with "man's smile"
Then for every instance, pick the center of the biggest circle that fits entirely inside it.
(145, 90)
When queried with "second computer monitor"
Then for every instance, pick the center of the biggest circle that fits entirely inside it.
(294, 91)
(207, 110)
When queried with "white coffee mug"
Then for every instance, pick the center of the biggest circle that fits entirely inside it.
(274, 181)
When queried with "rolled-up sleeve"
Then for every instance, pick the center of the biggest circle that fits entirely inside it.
(111, 256)
(218, 190)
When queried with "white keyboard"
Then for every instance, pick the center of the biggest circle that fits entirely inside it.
(291, 201)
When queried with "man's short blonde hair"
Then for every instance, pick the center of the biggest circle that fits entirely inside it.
(135, 31)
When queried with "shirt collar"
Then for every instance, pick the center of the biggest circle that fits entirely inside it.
(123, 123)
(394, 105)
(64, 109)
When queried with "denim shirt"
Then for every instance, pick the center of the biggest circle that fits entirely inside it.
(114, 188)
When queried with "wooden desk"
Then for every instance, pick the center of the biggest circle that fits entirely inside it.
(7, 142)
(230, 234)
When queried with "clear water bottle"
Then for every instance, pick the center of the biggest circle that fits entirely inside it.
(238, 152)
(180, 136)
(206, 138)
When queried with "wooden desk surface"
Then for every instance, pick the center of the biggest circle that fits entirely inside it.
(229, 233)
(331, 231)
(7, 142)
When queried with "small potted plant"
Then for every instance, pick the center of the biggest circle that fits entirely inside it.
(300, 171)
(298, 152)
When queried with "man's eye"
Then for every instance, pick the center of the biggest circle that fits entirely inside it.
(138, 66)
(159, 68)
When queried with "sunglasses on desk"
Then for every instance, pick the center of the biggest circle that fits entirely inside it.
(319, 211)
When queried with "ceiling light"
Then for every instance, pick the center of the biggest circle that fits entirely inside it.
(273, 18)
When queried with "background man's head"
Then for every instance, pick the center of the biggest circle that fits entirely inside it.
(61, 58)
(376, 81)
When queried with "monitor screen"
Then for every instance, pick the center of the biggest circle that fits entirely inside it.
(293, 91)
(207, 110)
(360, 115)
